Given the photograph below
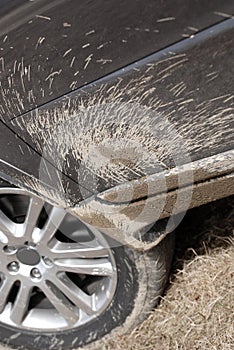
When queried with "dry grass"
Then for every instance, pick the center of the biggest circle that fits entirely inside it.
(197, 312)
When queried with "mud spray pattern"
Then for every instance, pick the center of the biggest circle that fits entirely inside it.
(115, 143)
(119, 132)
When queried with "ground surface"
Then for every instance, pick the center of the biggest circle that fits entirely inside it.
(197, 311)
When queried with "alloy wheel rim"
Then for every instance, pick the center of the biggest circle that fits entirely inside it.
(56, 273)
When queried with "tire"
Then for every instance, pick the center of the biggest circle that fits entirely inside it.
(140, 281)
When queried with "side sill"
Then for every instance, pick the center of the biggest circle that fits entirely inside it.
(129, 222)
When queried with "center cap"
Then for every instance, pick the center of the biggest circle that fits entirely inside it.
(28, 256)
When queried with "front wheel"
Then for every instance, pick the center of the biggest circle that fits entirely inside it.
(64, 284)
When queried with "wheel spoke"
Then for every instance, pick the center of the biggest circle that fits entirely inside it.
(95, 267)
(34, 210)
(7, 226)
(3, 239)
(82, 300)
(4, 292)
(89, 250)
(61, 303)
(20, 307)
(54, 220)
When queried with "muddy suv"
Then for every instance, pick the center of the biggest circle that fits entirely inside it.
(115, 119)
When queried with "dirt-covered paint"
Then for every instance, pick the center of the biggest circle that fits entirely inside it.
(150, 124)
(47, 50)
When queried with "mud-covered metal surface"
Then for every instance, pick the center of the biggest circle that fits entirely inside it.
(129, 222)
(150, 117)
(203, 170)
(163, 127)
(24, 167)
(49, 48)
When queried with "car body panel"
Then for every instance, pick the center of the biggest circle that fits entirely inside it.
(49, 48)
(151, 102)
(23, 166)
